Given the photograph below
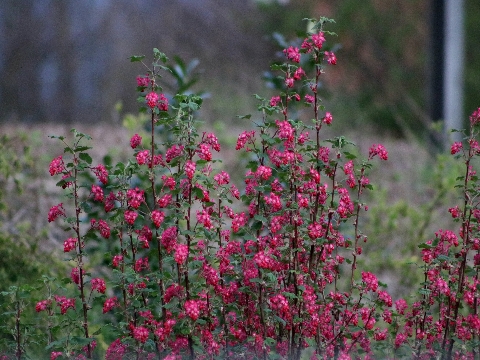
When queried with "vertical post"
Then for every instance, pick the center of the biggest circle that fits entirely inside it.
(453, 71)
(437, 42)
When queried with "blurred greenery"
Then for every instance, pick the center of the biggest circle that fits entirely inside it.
(23, 259)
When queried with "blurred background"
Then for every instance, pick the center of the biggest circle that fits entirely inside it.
(67, 61)
(65, 64)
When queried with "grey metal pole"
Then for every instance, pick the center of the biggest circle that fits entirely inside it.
(454, 63)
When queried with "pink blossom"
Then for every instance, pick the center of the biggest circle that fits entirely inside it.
(212, 140)
(292, 54)
(173, 152)
(109, 304)
(238, 221)
(143, 81)
(116, 350)
(378, 150)
(104, 229)
(192, 309)
(380, 335)
(151, 99)
(274, 101)
(307, 45)
(323, 154)
(169, 238)
(315, 231)
(318, 40)
(98, 285)
(57, 166)
(328, 118)
(243, 138)
(140, 334)
(130, 216)
(298, 74)
(55, 212)
(331, 58)
(69, 244)
(263, 172)
(370, 280)
(117, 259)
(42, 305)
(141, 264)
(65, 303)
(203, 217)
(234, 191)
(97, 192)
(309, 99)
(286, 131)
(142, 157)
(164, 200)
(222, 178)
(135, 197)
(181, 253)
(55, 354)
(455, 211)
(172, 291)
(162, 103)
(101, 173)
(157, 218)
(75, 275)
(204, 152)
(401, 306)
(169, 181)
(190, 169)
(456, 147)
(110, 202)
(289, 82)
(385, 297)
(475, 117)
(135, 141)
(387, 316)
(400, 339)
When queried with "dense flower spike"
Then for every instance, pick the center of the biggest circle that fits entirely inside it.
(42, 305)
(292, 54)
(55, 212)
(99, 285)
(130, 216)
(140, 334)
(57, 166)
(109, 304)
(378, 150)
(135, 141)
(101, 173)
(244, 138)
(75, 275)
(331, 58)
(69, 244)
(151, 99)
(65, 303)
(135, 197)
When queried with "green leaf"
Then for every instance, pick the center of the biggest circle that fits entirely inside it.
(136, 58)
(349, 156)
(85, 157)
(269, 341)
(425, 246)
(81, 340)
(158, 55)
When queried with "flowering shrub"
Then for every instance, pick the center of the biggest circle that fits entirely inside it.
(198, 269)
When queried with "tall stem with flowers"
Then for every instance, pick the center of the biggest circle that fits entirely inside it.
(198, 269)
